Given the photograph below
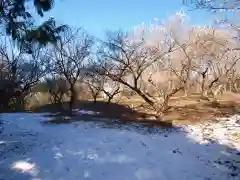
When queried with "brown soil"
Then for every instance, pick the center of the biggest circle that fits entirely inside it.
(186, 110)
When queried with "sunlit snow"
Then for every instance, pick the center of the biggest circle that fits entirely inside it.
(31, 150)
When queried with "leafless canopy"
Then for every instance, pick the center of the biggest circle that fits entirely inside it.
(127, 60)
(214, 5)
(69, 57)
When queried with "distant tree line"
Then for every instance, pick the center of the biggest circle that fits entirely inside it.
(154, 63)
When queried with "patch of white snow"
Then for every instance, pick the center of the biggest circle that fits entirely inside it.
(222, 131)
(24, 166)
(86, 112)
(89, 150)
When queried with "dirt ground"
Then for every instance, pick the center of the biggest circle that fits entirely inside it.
(190, 110)
(184, 110)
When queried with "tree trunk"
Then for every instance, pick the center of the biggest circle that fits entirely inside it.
(203, 83)
(145, 98)
(72, 98)
(168, 96)
(109, 99)
(159, 115)
(94, 99)
(165, 106)
(186, 90)
(230, 87)
(217, 91)
(188, 80)
(139, 92)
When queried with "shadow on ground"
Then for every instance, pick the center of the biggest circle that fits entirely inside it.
(97, 150)
(182, 112)
(112, 112)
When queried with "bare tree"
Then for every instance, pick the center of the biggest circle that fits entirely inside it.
(227, 11)
(111, 89)
(100, 84)
(95, 83)
(126, 60)
(69, 56)
(22, 71)
(166, 63)
(216, 59)
(214, 5)
(221, 72)
(57, 88)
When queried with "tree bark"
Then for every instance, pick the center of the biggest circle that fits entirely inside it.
(203, 84)
(165, 106)
(94, 99)
(109, 99)
(73, 97)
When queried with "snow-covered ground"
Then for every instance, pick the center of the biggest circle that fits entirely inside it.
(33, 150)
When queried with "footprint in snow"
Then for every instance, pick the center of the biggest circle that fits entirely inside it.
(177, 151)
(143, 144)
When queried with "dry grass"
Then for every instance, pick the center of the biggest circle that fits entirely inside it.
(190, 110)
(184, 110)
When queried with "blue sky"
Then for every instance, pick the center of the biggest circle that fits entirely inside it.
(98, 16)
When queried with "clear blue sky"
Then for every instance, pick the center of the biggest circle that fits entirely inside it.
(97, 16)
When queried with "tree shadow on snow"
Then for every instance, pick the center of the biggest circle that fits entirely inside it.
(104, 150)
(100, 111)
